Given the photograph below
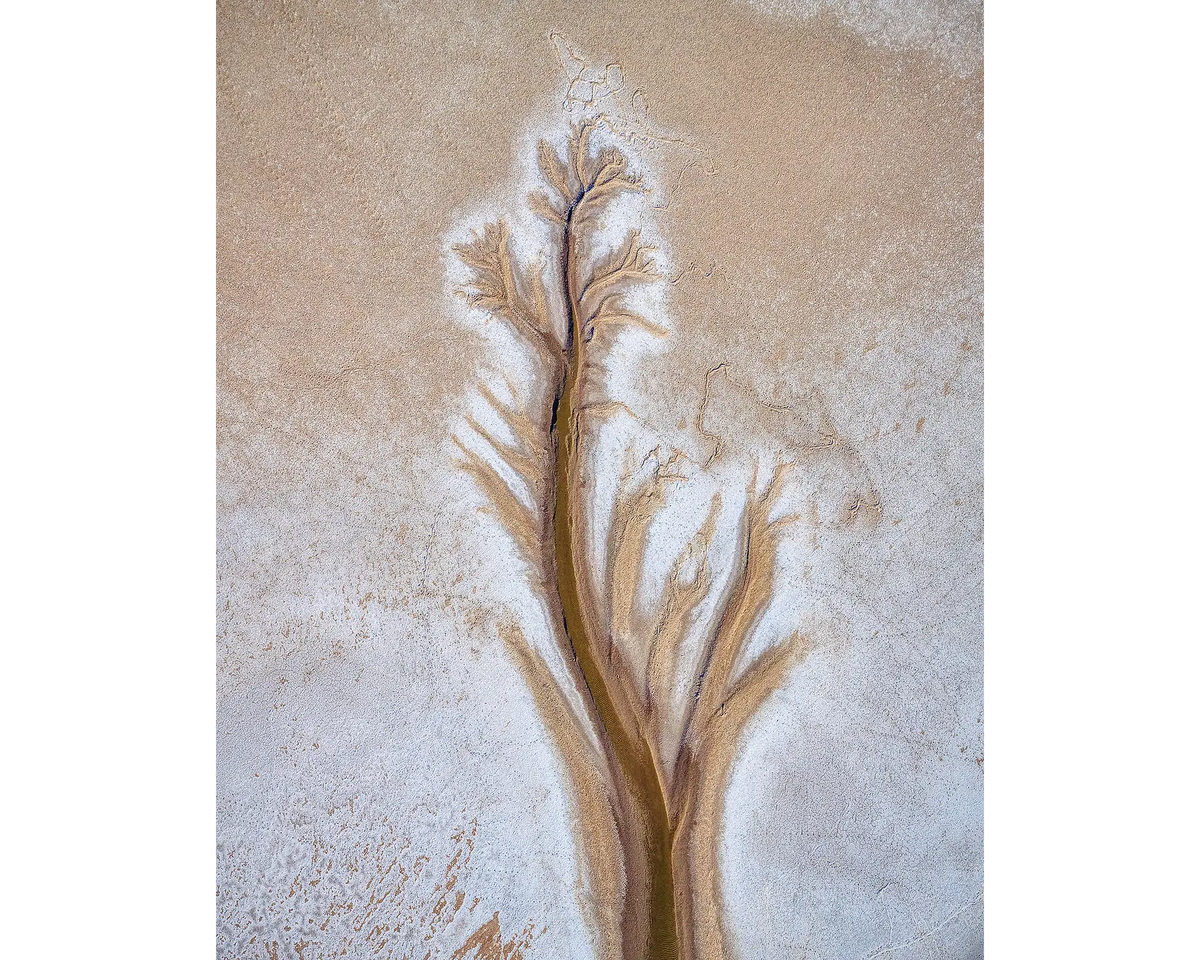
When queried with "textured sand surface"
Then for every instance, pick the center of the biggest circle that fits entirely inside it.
(385, 782)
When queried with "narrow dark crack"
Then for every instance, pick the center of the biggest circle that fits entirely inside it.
(641, 808)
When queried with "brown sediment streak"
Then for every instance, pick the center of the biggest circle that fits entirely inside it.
(705, 767)
(672, 624)
(648, 798)
(716, 715)
(488, 943)
(627, 546)
(648, 922)
(601, 871)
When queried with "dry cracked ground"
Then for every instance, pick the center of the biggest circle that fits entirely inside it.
(600, 480)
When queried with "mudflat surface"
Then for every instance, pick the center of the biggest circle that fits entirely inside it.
(813, 172)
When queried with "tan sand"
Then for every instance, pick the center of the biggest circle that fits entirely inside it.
(814, 188)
